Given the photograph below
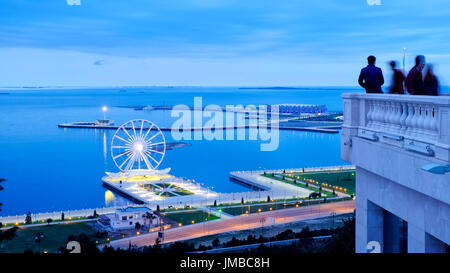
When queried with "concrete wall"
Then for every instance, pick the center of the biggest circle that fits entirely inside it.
(428, 219)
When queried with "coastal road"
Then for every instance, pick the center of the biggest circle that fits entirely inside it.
(242, 222)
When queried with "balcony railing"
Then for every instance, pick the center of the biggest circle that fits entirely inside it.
(417, 123)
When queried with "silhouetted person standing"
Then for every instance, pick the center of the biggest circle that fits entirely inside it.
(414, 80)
(371, 77)
(430, 82)
(398, 80)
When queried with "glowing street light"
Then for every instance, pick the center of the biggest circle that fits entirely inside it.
(104, 109)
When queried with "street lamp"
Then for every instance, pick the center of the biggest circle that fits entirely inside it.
(436, 168)
(104, 109)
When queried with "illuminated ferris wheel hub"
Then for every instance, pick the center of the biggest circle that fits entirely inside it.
(138, 147)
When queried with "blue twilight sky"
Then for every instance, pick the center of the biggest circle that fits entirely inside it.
(214, 42)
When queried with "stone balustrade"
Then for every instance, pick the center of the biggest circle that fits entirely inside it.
(417, 123)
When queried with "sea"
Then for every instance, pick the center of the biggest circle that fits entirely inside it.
(52, 169)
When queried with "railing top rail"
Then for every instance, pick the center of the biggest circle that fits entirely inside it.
(437, 100)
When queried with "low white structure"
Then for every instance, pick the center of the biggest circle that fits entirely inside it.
(127, 218)
(400, 207)
(299, 108)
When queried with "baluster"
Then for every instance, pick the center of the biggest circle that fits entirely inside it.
(403, 116)
(410, 114)
(397, 115)
(435, 119)
(429, 120)
(415, 121)
(369, 117)
(384, 115)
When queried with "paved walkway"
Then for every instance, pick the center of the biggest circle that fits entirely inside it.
(239, 223)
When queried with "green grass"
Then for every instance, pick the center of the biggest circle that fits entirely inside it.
(345, 179)
(239, 210)
(301, 185)
(186, 218)
(55, 236)
(254, 208)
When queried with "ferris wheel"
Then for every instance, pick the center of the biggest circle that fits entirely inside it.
(138, 144)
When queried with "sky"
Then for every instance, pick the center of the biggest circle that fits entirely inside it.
(215, 42)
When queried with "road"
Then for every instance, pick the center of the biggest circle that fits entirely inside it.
(239, 223)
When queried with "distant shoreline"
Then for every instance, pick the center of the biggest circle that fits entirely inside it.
(172, 87)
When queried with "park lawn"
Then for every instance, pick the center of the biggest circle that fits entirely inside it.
(255, 208)
(344, 179)
(186, 217)
(301, 185)
(239, 210)
(55, 236)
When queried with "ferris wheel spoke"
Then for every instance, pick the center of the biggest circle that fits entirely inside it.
(126, 131)
(151, 157)
(155, 135)
(127, 141)
(125, 161)
(120, 147)
(149, 165)
(155, 151)
(131, 162)
(121, 154)
(153, 144)
(134, 129)
(148, 131)
(142, 126)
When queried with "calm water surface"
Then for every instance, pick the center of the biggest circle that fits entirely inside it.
(49, 168)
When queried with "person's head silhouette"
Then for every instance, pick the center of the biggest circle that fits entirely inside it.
(393, 64)
(371, 60)
(420, 61)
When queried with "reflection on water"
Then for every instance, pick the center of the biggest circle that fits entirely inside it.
(112, 200)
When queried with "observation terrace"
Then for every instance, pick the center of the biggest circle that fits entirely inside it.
(401, 205)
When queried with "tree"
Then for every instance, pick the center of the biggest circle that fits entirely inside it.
(6, 235)
(216, 242)
(242, 200)
(268, 198)
(1, 188)
(62, 216)
(95, 214)
(137, 225)
(215, 203)
(157, 207)
(9, 233)
(49, 220)
(28, 219)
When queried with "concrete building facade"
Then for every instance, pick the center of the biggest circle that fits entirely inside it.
(400, 207)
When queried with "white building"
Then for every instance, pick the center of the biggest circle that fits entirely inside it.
(299, 108)
(390, 138)
(128, 217)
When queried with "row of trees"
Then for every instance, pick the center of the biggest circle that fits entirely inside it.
(342, 241)
(7, 234)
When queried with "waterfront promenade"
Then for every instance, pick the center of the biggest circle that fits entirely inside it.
(274, 189)
(239, 223)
